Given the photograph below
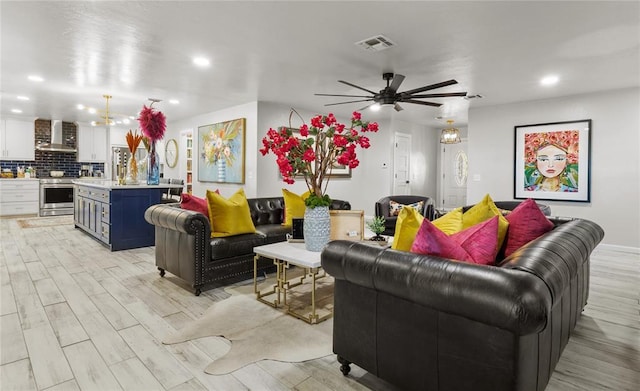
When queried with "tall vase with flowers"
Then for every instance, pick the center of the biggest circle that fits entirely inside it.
(322, 146)
(153, 125)
(133, 141)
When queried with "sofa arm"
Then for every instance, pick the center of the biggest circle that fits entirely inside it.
(177, 219)
(507, 299)
(182, 239)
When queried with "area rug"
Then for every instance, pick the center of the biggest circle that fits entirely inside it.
(258, 331)
(39, 222)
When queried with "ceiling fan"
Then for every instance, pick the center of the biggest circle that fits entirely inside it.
(390, 95)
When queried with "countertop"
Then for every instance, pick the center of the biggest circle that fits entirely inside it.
(113, 185)
(20, 179)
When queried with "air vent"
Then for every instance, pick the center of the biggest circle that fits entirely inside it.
(376, 43)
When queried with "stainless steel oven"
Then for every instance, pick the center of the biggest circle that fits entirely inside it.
(56, 196)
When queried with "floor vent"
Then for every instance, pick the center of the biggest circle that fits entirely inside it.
(376, 43)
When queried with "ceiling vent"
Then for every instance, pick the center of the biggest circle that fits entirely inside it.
(376, 43)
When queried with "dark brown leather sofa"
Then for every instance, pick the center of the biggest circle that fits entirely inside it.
(184, 246)
(429, 323)
(382, 209)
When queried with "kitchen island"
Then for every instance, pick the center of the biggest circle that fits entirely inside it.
(114, 214)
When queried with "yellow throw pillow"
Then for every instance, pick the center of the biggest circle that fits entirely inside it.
(293, 205)
(485, 210)
(450, 223)
(407, 226)
(229, 216)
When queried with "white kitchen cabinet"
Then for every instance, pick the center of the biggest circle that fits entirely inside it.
(17, 140)
(92, 144)
(19, 197)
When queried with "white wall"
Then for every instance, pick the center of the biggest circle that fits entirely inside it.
(615, 162)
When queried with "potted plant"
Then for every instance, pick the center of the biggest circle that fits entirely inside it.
(322, 145)
(377, 227)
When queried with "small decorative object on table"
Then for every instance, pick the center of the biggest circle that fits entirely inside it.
(133, 140)
(153, 125)
(377, 227)
(324, 145)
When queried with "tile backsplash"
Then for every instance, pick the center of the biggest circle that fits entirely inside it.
(46, 161)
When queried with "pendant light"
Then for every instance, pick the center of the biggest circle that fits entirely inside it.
(450, 135)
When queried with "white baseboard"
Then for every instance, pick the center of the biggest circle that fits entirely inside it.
(626, 249)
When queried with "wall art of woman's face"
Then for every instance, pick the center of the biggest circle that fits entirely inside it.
(551, 161)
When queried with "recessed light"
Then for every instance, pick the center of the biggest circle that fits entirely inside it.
(92, 110)
(80, 106)
(549, 80)
(201, 61)
(375, 107)
(17, 111)
(21, 97)
(174, 101)
(93, 123)
(126, 121)
(35, 78)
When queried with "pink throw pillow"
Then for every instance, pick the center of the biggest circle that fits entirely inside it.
(196, 204)
(431, 241)
(476, 244)
(480, 241)
(526, 223)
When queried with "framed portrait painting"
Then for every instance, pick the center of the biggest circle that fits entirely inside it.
(221, 150)
(553, 161)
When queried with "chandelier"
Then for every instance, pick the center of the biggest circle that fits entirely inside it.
(450, 135)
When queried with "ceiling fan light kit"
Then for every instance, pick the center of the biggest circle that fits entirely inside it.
(450, 135)
(389, 96)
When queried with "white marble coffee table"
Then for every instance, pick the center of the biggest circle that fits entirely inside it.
(285, 254)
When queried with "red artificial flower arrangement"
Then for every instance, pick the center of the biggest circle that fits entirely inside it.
(322, 146)
(152, 123)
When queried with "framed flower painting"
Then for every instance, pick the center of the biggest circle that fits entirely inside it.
(221, 150)
(553, 161)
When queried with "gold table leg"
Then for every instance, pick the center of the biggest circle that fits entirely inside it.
(283, 285)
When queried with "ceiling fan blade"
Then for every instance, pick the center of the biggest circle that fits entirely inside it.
(443, 95)
(397, 80)
(419, 102)
(348, 96)
(351, 101)
(429, 87)
(355, 86)
(397, 107)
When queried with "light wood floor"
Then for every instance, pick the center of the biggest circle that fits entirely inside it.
(76, 316)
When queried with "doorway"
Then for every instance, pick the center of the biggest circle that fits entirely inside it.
(401, 163)
(454, 168)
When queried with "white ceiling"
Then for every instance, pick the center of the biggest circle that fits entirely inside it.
(287, 51)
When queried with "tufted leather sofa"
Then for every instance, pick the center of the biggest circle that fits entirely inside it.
(382, 208)
(428, 323)
(184, 246)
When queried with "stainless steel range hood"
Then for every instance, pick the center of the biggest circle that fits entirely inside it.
(57, 142)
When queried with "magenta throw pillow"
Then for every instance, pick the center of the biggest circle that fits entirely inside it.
(476, 244)
(431, 241)
(480, 241)
(526, 223)
(196, 204)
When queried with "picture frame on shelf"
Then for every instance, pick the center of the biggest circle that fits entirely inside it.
(221, 151)
(553, 161)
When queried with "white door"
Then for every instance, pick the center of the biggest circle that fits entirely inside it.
(402, 163)
(454, 166)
